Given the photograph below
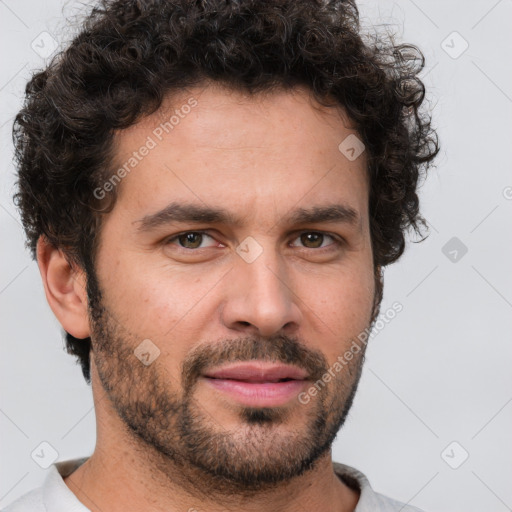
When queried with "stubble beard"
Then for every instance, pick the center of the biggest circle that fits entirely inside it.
(176, 437)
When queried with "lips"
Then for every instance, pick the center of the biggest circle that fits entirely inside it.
(258, 372)
(257, 384)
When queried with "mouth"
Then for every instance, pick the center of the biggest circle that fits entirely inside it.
(258, 384)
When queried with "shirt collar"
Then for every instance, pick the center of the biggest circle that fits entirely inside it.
(57, 496)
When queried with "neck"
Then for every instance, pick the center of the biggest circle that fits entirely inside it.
(123, 480)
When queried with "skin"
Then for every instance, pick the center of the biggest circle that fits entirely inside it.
(258, 157)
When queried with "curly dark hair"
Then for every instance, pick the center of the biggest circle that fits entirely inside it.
(130, 54)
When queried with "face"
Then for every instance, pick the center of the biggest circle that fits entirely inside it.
(234, 272)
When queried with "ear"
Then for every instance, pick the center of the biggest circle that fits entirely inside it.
(65, 289)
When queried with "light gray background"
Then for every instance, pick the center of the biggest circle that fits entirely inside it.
(439, 372)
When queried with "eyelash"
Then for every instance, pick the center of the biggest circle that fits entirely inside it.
(337, 240)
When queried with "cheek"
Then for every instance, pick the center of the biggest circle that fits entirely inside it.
(340, 308)
(141, 299)
(161, 303)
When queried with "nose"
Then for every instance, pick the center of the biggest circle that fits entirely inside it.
(260, 298)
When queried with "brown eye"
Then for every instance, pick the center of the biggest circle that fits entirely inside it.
(190, 240)
(315, 240)
(312, 240)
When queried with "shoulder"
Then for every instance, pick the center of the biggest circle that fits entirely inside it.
(32, 501)
(387, 504)
(53, 495)
(369, 500)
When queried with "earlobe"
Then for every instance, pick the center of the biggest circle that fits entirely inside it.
(65, 288)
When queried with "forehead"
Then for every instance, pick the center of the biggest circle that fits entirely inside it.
(218, 116)
(215, 145)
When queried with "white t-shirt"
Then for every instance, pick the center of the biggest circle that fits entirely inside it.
(55, 496)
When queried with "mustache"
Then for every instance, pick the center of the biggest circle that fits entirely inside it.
(278, 349)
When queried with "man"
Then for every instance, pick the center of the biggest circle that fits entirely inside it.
(212, 190)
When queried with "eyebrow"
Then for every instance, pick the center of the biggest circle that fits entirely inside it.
(187, 212)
